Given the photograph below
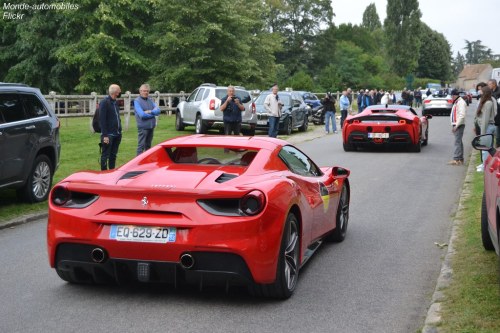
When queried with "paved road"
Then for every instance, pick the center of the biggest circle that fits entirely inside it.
(380, 279)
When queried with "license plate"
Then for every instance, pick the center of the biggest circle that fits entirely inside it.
(261, 122)
(131, 233)
(378, 135)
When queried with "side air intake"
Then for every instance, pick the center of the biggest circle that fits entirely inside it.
(225, 177)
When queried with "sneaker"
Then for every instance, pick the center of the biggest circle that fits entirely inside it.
(326, 132)
(480, 168)
(335, 132)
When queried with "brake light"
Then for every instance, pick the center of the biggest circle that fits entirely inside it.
(212, 104)
(427, 101)
(253, 203)
(401, 121)
(450, 101)
(355, 121)
(253, 108)
(60, 196)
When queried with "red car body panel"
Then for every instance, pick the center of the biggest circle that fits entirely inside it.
(162, 193)
(385, 125)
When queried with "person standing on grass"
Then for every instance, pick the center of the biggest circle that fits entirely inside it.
(329, 105)
(273, 105)
(145, 114)
(231, 108)
(111, 127)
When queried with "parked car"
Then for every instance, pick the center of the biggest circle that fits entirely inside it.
(490, 219)
(202, 110)
(200, 209)
(465, 96)
(437, 104)
(310, 99)
(474, 93)
(389, 125)
(295, 112)
(29, 142)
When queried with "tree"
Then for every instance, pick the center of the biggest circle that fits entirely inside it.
(371, 20)
(458, 64)
(298, 22)
(477, 53)
(402, 29)
(434, 60)
(219, 41)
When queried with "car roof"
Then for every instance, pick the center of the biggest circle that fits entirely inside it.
(247, 142)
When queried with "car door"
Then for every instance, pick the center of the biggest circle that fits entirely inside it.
(298, 110)
(189, 111)
(16, 132)
(320, 191)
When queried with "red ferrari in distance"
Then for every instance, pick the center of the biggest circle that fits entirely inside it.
(204, 209)
(377, 125)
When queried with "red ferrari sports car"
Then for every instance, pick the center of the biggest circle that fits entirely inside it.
(204, 209)
(397, 125)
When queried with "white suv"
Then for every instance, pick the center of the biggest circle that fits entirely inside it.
(202, 109)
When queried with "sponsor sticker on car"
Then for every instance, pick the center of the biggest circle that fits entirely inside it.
(131, 233)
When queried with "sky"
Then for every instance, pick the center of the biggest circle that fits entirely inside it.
(457, 20)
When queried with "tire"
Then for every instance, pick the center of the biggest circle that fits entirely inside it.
(304, 126)
(485, 234)
(417, 147)
(348, 147)
(341, 219)
(287, 271)
(200, 128)
(179, 124)
(287, 126)
(39, 181)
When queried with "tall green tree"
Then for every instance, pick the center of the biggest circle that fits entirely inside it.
(371, 20)
(104, 42)
(219, 41)
(435, 55)
(299, 22)
(458, 64)
(402, 29)
(476, 52)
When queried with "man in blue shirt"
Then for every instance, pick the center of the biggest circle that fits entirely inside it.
(231, 107)
(344, 106)
(111, 127)
(145, 114)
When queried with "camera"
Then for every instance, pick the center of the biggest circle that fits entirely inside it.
(233, 98)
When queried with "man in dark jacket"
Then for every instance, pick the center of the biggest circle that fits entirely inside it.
(231, 108)
(145, 114)
(111, 127)
(495, 93)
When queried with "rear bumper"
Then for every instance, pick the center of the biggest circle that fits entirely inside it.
(75, 259)
(396, 138)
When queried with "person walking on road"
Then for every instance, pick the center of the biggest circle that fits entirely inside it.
(273, 105)
(457, 119)
(111, 127)
(145, 114)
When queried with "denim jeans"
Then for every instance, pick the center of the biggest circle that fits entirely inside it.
(274, 123)
(343, 115)
(458, 155)
(489, 130)
(497, 137)
(230, 128)
(109, 152)
(144, 139)
(330, 116)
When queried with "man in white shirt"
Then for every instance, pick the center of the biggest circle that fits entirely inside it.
(273, 105)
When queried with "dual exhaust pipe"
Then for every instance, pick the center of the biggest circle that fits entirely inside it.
(98, 256)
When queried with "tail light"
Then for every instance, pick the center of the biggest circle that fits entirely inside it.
(212, 104)
(450, 101)
(253, 203)
(253, 108)
(60, 196)
(401, 121)
(427, 101)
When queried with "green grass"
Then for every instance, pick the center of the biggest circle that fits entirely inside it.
(472, 302)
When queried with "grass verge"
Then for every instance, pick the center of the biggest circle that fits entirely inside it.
(472, 301)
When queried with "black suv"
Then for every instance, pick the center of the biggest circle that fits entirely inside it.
(29, 142)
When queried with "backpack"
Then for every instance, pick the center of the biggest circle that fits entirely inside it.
(96, 123)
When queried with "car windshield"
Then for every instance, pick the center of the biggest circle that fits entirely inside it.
(285, 98)
(243, 95)
(212, 155)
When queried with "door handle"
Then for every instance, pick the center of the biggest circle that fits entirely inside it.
(30, 127)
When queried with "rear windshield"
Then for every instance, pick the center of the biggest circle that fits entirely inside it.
(243, 95)
(211, 155)
(287, 101)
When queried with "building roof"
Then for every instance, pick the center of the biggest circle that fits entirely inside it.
(472, 72)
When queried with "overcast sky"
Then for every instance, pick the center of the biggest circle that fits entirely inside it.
(457, 20)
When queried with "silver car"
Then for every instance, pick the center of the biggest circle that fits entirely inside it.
(202, 110)
(437, 104)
